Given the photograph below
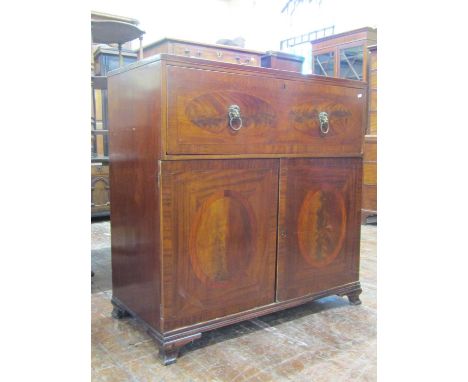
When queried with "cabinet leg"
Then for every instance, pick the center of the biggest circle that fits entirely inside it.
(169, 355)
(354, 298)
(118, 312)
(169, 351)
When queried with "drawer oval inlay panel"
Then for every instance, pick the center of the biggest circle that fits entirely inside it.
(280, 116)
(305, 117)
(208, 111)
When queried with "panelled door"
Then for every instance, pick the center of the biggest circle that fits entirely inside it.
(319, 225)
(219, 222)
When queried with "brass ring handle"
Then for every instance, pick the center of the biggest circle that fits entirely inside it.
(234, 114)
(324, 124)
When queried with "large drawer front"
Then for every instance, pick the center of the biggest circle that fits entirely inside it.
(279, 116)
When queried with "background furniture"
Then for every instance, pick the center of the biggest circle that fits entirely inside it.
(105, 30)
(369, 180)
(369, 188)
(282, 61)
(225, 53)
(216, 52)
(343, 55)
(236, 192)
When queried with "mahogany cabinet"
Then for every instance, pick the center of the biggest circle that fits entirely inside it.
(235, 191)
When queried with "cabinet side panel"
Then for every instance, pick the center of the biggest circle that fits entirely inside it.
(134, 124)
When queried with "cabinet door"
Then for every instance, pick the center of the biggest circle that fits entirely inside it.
(324, 64)
(319, 225)
(219, 238)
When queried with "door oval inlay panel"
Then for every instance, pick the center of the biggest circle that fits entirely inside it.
(321, 226)
(222, 239)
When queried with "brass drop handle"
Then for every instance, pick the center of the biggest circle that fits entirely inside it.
(324, 124)
(235, 119)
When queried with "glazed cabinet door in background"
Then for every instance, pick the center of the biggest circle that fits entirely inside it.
(219, 238)
(319, 225)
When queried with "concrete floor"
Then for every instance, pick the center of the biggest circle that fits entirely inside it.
(326, 340)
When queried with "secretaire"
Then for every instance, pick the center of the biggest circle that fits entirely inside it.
(235, 192)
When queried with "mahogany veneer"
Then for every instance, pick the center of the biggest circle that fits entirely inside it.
(232, 195)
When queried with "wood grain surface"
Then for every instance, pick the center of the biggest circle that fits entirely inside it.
(134, 119)
(219, 238)
(278, 116)
(200, 243)
(318, 225)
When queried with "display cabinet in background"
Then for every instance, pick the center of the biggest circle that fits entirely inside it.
(353, 55)
(372, 127)
(369, 186)
(343, 55)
